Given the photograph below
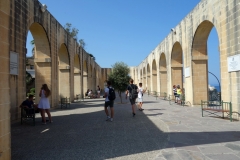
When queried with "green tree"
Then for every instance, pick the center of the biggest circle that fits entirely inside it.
(33, 45)
(73, 32)
(28, 78)
(120, 77)
(27, 62)
(82, 43)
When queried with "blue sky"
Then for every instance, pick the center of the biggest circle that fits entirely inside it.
(125, 30)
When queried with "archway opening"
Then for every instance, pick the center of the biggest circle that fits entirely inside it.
(214, 80)
(200, 64)
(144, 78)
(137, 77)
(103, 78)
(149, 77)
(94, 80)
(64, 72)
(176, 65)
(154, 76)
(141, 76)
(90, 78)
(85, 77)
(163, 74)
(38, 60)
(77, 75)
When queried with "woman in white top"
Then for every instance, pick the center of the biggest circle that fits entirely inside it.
(44, 103)
(140, 96)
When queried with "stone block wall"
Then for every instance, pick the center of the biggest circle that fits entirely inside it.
(190, 41)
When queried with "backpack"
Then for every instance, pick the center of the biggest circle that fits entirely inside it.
(133, 93)
(111, 94)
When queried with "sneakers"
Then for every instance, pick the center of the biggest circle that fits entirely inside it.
(108, 118)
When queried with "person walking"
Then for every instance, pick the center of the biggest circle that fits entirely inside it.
(175, 93)
(44, 105)
(179, 92)
(98, 91)
(140, 96)
(132, 90)
(108, 103)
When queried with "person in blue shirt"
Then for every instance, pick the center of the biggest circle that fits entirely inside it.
(28, 103)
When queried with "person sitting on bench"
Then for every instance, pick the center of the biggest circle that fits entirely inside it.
(91, 95)
(86, 94)
(28, 103)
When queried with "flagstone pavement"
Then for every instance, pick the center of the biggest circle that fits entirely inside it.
(160, 132)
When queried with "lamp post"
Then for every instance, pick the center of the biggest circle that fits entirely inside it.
(218, 84)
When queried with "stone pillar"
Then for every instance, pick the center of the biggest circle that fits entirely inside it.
(5, 135)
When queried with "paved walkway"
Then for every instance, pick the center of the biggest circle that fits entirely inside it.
(160, 132)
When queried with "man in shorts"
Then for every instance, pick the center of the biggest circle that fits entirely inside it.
(132, 100)
(108, 103)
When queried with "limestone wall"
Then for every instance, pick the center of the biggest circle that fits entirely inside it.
(186, 47)
(58, 62)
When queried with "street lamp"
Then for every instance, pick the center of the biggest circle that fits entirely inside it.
(218, 83)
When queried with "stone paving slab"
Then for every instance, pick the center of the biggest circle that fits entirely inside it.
(160, 132)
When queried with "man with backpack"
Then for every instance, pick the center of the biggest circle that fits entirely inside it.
(133, 94)
(109, 100)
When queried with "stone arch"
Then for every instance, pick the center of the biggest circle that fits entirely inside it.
(149, 77)
(144, 77)
(85, 77)
(103, 78)
(163, 73)
(90, 78)
(176, 65)
(200, 62)
(64, 71)
(94, 79)
(77, 75)
(154, 75)
(137, 76)
(134, 75)
(42, 57)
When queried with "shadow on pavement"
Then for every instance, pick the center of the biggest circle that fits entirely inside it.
(86, 135)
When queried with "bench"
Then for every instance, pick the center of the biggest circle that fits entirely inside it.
(27, 114)
(79, 97)
(171, 98)
(65, 102)
(154, 94)
(163, 95)
(213, 108)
